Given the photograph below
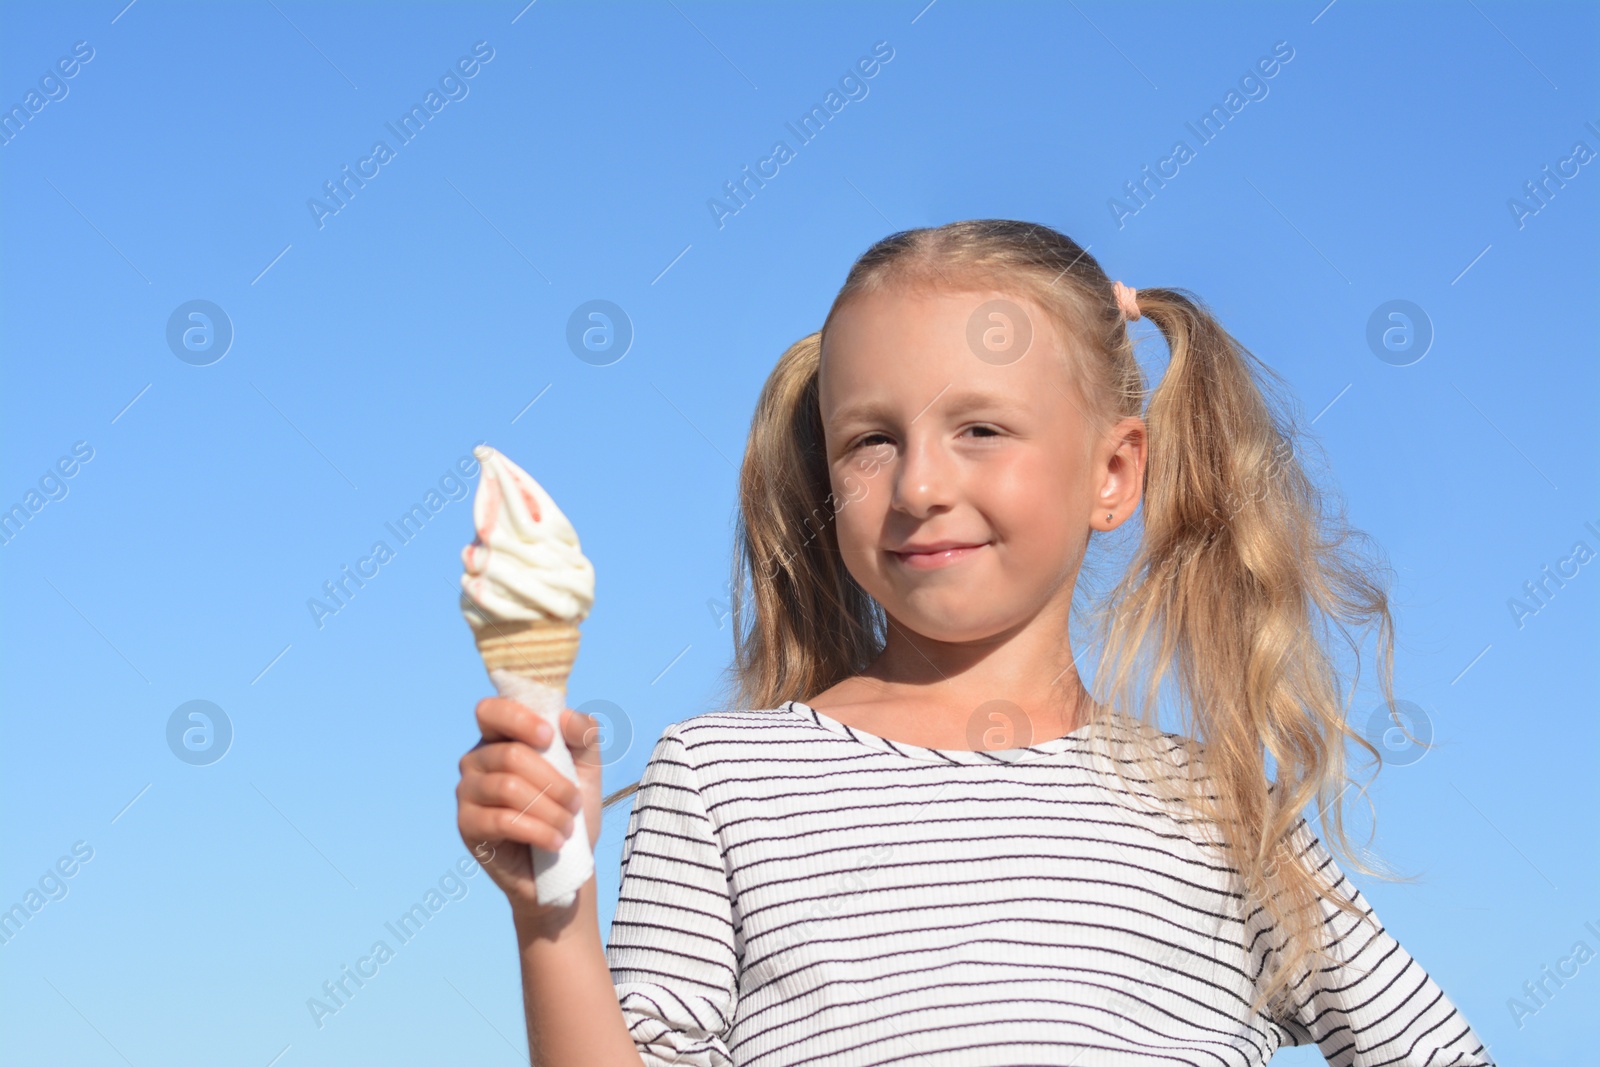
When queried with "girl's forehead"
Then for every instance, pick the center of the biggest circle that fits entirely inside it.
(952, 318)
(983, 337)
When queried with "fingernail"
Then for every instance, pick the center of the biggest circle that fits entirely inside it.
(542, 733)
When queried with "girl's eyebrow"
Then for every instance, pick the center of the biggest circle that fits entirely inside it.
(959, 403)
(954, 403)
(863, 411)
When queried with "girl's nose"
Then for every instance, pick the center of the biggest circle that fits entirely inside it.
(923, 478)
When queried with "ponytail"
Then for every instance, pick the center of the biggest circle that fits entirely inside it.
(800, 621)
(1237, 579)
(824, 627)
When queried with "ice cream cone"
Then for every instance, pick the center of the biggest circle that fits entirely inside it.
(541, 650)
(529, 662)
(525, 588)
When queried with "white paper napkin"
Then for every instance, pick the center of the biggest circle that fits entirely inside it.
(559, 875)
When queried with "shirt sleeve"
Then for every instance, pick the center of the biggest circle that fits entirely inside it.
(1370, 1004)
(672, 949)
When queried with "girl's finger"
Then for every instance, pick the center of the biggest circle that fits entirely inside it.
(503, 719)
(494, 824)
(513, 757)
(581, 732)
(518, 795)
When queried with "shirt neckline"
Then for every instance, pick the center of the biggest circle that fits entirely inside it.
(1053, 746)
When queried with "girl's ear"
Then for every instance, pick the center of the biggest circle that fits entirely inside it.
(1118, 471)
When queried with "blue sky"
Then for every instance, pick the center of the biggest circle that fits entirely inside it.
(348, 359)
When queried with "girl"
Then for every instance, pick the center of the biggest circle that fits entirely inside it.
(916, 835)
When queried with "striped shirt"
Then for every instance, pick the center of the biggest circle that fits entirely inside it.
(798, 891)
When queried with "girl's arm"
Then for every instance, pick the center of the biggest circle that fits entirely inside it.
(672, 950)
(1376, 1005)
(573, 1017)
(511, 799)
(663, 991)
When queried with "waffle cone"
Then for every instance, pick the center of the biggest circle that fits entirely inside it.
(542, 651)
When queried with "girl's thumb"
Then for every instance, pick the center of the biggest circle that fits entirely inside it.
(580, 731)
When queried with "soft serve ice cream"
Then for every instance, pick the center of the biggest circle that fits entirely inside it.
(525, 563)
(526, 586)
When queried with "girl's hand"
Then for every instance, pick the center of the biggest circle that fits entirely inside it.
(510, 797)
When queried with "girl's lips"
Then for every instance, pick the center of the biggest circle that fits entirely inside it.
(924, 561)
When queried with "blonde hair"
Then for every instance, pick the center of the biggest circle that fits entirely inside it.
(1237, 579)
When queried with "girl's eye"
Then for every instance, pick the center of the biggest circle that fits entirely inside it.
(865, 439)
(988, 431)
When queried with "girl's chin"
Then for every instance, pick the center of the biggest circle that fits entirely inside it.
(929, 618)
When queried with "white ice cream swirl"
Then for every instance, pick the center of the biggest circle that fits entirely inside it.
(525, 563)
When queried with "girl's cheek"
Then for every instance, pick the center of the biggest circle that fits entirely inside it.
(854, 489)
(844, 529)
(855, 543)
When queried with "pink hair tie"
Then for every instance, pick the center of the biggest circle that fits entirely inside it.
(1127, 300)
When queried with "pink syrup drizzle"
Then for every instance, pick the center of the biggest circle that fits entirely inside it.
(491, 502)
(529, 499)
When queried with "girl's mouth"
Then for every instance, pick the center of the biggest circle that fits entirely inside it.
(936, 558)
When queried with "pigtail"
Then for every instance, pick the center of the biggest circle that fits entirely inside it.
(1236, 582)
(812, 625)
(801, 623)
